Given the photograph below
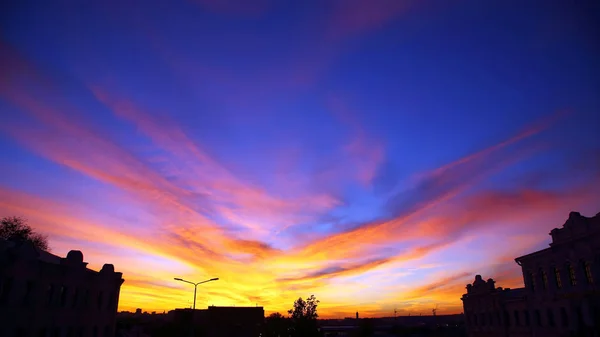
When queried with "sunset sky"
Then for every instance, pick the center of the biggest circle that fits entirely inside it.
(377, 154)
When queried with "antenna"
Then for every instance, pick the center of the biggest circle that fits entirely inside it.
(395, 312)
(434, 310)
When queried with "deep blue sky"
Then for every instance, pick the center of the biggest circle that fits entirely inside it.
(297, 134)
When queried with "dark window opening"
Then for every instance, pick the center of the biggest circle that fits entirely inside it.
(557, 278)
(550, 317)
(100, 299)
(506, 318)
(63, 296)
(75, 298)
(95, 332)
(107, 331)
(538, 318)
(475, 319)
(69, 332)
(532, 281)
(544, 279)
(482, 319)
(564, 317)
(491, 319)
(111, 301)
(517, 318)
(5, 289)
(86, 298)
(28, 290)
(49, 294)
(579, 314)
(43, 332)
(56, 332)
(526, 315)
(587, 268)
(572, 278)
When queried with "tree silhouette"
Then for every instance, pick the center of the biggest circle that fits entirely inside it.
(16, 228)
(304, 317)
(276, 325)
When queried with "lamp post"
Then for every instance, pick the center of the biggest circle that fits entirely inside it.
(196, 285)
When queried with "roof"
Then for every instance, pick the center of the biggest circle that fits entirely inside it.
(539, 252)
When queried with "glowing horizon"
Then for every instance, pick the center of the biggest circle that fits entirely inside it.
(311, 156)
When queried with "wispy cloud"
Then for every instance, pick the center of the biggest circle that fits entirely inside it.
(206, 220)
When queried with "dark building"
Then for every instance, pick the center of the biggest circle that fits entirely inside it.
(561, 296)
(222, 321)
(44, 295)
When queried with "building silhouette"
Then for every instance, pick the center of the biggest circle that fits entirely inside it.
(561, 296)
(45, 295)
(222, 321)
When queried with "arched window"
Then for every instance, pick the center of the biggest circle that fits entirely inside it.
(564, 318)
(557, 278)
(550, 314)
(571, 271)
(544, 278)
(532, 281)
(587, 270)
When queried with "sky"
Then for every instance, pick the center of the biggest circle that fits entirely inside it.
(377, 154)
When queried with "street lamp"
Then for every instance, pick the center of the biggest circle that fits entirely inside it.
(195, 285)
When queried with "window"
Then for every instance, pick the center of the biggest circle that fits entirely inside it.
(106, 331)
(49, 294)
(482, 316)
(491, 319)
(95, 332)
(498, 319)
(111, 301)
(86, 298)
(571, 274)
(43, 332)
(557, 277)
(517, 320)
(532, 281)
(63, 296)
(56, 332)
(20, 332)
(526, 316)
(75, 298)
(506, 318)
(5, 288)
(475, 319)
(587, 269)
(100, 299)
(579, 314)
(70, 332)
(544, 279)
(28, 290)
(538, 318)
(80, 333)
(550, 314)
(564, 318)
